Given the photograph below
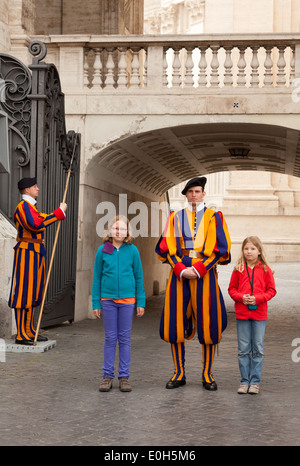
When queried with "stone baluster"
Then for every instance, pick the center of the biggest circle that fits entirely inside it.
(122, 75)
(189, 64)
(254, 82)
(214, 75)
(292, 65)
(241, 79)
(165, 67)
(145, 66)
(268, 80)
(176, 78)
(110, 66)
(202, 81)
(135, 68)
(228, 76)
(281, 64)
(97, 81)
(86, 68)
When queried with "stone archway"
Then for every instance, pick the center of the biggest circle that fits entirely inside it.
(143, 166)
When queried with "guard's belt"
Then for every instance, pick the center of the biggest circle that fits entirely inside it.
(191, 253)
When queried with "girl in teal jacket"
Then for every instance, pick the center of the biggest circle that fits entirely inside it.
(118, 287)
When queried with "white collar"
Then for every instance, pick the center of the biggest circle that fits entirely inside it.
(29, 199)
(200, 206)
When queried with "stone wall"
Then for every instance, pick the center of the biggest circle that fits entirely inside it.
(7, 242)
(89, 17)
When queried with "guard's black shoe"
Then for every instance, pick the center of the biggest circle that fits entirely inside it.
(210, 386)
(175, 383)
(41, 338)
(24, 342)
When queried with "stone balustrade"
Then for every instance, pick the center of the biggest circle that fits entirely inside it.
(168, 63)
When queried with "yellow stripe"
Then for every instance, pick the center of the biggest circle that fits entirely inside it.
(207, 361)
(206, 310)
(14, 277)
(167, 309)
(179, 311)
(174, 358)
(21, 281)
(219, 311)
(180, 361)
(193, 288)
(30, 279)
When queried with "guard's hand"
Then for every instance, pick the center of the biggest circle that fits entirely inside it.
(189, 273)
(63, 206)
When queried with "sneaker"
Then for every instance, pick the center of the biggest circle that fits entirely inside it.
(106, 385)
(243, 389)
(124, 385)
(253, 389)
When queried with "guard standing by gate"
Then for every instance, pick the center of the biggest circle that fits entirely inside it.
(28, 275)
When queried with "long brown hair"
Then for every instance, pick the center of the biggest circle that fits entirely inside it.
(118, 218)
(240, 265)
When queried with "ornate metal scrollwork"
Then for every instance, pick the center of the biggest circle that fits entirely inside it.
(15, 81)
(37, 48)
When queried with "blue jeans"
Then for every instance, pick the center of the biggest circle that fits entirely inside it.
(117, 320)
(251, 335)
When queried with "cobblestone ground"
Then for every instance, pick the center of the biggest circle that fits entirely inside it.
(53, 399)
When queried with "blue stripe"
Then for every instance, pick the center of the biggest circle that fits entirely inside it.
(207, 363)
(213, 308)
(25, 282)
(199, 310)
(179, 361)
(173, 308)
(29, 217)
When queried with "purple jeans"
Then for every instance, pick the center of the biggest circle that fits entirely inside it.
(117, 320)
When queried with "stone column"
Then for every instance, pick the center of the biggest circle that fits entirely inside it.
(21, 16)
(121, 17)
(4, 28)
(247, 194)
(102, 17)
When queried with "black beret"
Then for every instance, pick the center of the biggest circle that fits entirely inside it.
(26, 183)
(200, 181)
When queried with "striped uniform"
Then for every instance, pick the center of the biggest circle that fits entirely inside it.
(192, 305)
(28, 275)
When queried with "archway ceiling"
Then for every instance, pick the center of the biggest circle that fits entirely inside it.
(157, 160)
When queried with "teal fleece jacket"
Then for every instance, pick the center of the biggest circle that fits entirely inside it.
(118, 273)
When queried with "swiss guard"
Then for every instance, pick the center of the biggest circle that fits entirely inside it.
(28, 276)
(194, 241)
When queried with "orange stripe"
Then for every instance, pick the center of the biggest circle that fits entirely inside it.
(39, 277)
(179, 311)
(206, 310)
(167, 309)
(14, 277)
(21, 281)
(121, 300)
(30, 279)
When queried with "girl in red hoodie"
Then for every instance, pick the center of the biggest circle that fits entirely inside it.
(251, 286)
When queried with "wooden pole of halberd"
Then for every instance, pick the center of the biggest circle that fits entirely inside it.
(54, 247)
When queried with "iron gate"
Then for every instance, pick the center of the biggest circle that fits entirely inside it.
(32, 110)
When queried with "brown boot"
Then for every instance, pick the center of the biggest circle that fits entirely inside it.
(105, 385)
(124, 385)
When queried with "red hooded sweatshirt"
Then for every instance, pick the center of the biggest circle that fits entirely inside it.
(263, 290)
